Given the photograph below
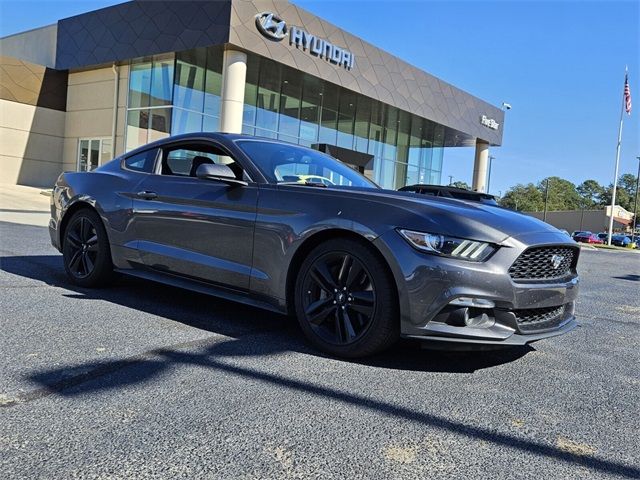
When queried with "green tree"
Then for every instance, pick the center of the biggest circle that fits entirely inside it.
(591, 193)
(523, 198)
(562, 194)
(460, 184)
(625, 193)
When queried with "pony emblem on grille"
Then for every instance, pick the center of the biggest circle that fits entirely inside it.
(556, 261)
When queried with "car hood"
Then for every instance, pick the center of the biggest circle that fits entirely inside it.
(459, 218)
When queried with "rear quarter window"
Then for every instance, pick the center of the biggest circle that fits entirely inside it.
(142, 162)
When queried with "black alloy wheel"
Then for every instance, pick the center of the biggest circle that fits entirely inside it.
(340, 298)
(86, 253)
(82, 239)
(345, 300)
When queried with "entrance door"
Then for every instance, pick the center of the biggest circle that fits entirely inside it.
(356, 160)
(93, 152)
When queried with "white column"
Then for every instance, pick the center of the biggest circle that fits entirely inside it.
(234, 76)
(480, 167)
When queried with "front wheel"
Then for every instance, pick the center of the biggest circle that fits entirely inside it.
(85, 250)
(346, 301)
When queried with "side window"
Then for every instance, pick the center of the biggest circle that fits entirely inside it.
(185, 160)
(142, 162)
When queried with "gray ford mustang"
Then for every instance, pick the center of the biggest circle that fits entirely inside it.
(293, 230)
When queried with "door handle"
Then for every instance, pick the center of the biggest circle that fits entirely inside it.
(147, 195)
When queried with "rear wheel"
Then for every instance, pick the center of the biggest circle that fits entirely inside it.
(346, 301)
(85, 251)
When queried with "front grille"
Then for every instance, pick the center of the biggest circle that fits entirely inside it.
(544, 263)
(539, 318)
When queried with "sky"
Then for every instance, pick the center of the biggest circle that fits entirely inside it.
(560, 64)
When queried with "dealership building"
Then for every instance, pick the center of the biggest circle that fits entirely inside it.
(77, 93)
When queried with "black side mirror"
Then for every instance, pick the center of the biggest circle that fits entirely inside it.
(220, 173)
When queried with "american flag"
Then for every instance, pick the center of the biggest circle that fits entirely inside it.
(627, 95)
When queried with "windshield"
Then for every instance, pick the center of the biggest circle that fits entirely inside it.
(283, 163)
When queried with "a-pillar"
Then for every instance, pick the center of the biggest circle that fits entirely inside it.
(234, 76)
(480, 167)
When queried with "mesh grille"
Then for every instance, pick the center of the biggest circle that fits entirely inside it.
(539, 318)
(538, 263)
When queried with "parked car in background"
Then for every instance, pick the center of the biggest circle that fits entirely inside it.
(450, 192)
(603, 236)
(587, 237)
(620, 240)
(578, 232)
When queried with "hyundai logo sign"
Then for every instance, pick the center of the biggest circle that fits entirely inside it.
(271, 26)
(275, 28)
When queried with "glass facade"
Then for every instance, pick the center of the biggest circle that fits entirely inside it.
(181, 93)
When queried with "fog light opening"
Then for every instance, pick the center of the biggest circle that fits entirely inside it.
(472, 302)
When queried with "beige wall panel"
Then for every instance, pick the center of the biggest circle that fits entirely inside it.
(91, 76)
(90, 96)
(20, 116)
(89, 123)
(18, 143)
(25, 171)
(69, 153)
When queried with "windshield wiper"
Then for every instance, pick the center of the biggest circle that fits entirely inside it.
(308, 184)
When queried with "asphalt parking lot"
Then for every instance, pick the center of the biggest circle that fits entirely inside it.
(141, 380)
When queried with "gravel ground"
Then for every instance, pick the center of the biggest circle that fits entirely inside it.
(141, 380)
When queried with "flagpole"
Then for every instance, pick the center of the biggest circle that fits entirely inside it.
(615, 177)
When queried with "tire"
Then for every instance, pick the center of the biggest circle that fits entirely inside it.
(85, 250)
(346, 300)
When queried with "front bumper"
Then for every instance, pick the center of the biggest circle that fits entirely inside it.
(427, 284)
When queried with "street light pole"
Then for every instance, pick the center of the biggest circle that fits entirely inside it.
(635, 205)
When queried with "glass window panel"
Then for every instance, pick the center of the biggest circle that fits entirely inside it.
(287, 138)
(346, 119)
(162, 81)
(376, 128)
(390, 134)
(143, 161)
(139, 84)
(160, 124)
(188, 91)
(386, 174)
(210, 124)
(137, 126)
(94, 154)
(184, 121)
(361, 126)
(290, 98)
(83, 155)
(310, 109)
(106, 150)
(248, 130)
(251, 91)
(329, 115)
(268, 95)
(261, 132)
(213, 82)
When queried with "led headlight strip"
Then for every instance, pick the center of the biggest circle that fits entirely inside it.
(471, 250)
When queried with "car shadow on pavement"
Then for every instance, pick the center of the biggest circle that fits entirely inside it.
(629, 276)
(255, 335)
(237, 320)
(221, 355)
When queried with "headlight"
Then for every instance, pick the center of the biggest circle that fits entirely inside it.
(449, 246)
